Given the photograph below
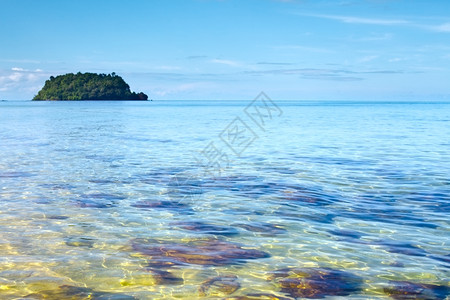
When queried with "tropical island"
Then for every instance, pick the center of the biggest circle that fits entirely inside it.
(87, 86)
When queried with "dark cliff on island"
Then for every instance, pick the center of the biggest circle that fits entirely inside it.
(87, 86)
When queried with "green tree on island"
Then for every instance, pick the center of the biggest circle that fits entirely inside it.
(87, 86)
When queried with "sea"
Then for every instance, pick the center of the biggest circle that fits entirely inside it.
(251, 199)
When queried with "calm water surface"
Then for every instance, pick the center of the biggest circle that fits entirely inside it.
(112, 200)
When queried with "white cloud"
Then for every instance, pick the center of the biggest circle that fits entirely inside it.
(376, 37)
(168, 68)
(445, 27)
(367, 58)
(359, 20)
(20, 61)
(15, 76)
(304, 48)
(442, 28)
(225, 62)
(181, 88)
(22, 81)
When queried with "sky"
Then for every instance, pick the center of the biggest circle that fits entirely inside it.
(233, 49)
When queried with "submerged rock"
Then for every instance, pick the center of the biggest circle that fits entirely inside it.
(397, 264)
(67, 292)
(165, 277)
(219, 286)
(151, 277)
(442, 258)
(316, 283)
(263, 228)
(208, 252)
(386, 213)
(93, 204)
(403, 290)
(205, 228)
(98, 200)
(258, 296)
(309, 197)
(185, 185)
(104, 196)
(56, 217)
(15, 174)
(346, 233)
(317, 216)
(80, 242)
(164, 204)
(400, 247)
(57, 186)
(255, 189)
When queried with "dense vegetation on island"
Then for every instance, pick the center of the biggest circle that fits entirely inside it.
(87, 86)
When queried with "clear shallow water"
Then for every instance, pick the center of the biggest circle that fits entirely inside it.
(108, 199)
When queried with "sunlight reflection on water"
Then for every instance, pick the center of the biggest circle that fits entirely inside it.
(105, 200)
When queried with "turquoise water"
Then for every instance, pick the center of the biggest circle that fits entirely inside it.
(187, 200)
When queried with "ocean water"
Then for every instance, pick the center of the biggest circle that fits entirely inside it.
(224, 200)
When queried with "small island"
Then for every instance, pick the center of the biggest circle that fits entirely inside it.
(87, 86)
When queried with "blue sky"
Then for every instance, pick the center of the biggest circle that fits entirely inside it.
(233, 49)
